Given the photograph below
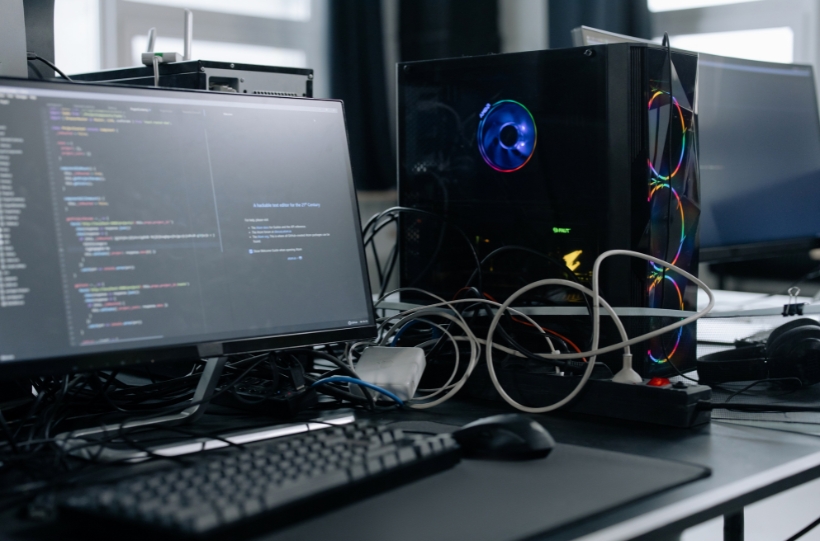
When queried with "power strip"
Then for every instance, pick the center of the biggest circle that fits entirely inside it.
(673, 405)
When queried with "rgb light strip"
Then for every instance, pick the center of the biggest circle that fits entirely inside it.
(683, 140)
(657, 183)
(506, 136)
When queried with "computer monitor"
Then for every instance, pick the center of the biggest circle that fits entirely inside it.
(140, 225)
(759, 143)
(759, 158)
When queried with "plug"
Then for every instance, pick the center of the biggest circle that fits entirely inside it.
(627, 374)
(164, 58)
(397, 370)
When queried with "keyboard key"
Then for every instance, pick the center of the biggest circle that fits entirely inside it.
(229, 486)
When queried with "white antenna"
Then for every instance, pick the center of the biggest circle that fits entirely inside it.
(152, 37)
(189, 33)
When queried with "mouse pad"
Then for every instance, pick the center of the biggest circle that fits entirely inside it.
(493, 500)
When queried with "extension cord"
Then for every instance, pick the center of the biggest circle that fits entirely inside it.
(668, 405)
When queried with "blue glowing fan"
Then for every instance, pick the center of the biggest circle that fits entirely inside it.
(506, 136)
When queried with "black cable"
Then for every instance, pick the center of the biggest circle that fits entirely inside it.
(558, 264)
(342, 366)
(35, 56)
(707, 405)
(805, 530)
(758, 382)
(398, 210)
(7, 432)
(392, 258)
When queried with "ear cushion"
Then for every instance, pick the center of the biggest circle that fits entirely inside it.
(786, 327)
(741, 364)
(796, 353)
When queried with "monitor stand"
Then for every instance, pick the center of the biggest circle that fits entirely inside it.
(81, 443)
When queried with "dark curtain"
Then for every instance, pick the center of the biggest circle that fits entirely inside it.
(629, 17)
(446, 28)
(357, 76)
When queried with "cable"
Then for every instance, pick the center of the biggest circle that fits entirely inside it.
(707, 405)
(758, 382)
(590, 364)
(392, 213)
(805, 530)
(35, 56)
(568, 273)
(8, 433)
(360, 383)
(597, 302)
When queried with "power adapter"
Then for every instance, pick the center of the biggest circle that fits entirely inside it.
(397, 370)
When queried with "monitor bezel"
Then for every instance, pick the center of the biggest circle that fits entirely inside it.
(189, 350)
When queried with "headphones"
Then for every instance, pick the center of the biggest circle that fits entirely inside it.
(792, 350)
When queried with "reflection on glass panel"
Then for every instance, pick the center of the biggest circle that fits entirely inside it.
(77, 35)
(291, 10)
(767, 44)
(223, 51)
(672, 5)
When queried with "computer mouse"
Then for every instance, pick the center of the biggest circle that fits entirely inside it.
(511, 436)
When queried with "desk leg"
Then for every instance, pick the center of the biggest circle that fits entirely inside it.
(733, 526)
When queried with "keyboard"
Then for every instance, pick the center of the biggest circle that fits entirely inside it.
(268, 485)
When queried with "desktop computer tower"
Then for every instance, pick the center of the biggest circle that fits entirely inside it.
(568, 153)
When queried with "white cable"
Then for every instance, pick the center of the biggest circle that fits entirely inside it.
(596, 314)
(437, 310)
(590, 363)
(405, 321)
(518, 313)
(353, 348)
(597, 302)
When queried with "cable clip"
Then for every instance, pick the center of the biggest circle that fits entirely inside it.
(793, 308)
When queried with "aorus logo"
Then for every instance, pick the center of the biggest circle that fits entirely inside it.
(571, 259)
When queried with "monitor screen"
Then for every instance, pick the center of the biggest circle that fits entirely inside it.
(146, 220)
(759, 153)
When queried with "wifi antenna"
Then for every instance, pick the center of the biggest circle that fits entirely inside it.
(189, 33)
(152, 37)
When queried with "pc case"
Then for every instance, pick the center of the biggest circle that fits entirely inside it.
(567, 152)
(211, 75)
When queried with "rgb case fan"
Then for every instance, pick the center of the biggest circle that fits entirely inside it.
(506, 136)
(568, 152)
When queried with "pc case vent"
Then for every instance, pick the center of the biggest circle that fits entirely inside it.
(275, 93)
(637, 124)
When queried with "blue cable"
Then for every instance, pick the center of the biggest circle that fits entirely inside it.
(436, 331)
(401, 332)
(346, 379)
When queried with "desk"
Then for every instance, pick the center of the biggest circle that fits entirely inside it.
(748, 464)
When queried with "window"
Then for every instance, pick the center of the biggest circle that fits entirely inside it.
(767, 44)
(671, 5)
(292, 10)
(769, 30)
(77, 35)
(104, 34)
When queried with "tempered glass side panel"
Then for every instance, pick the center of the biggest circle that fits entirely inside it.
(511, 148)
(672, 192)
